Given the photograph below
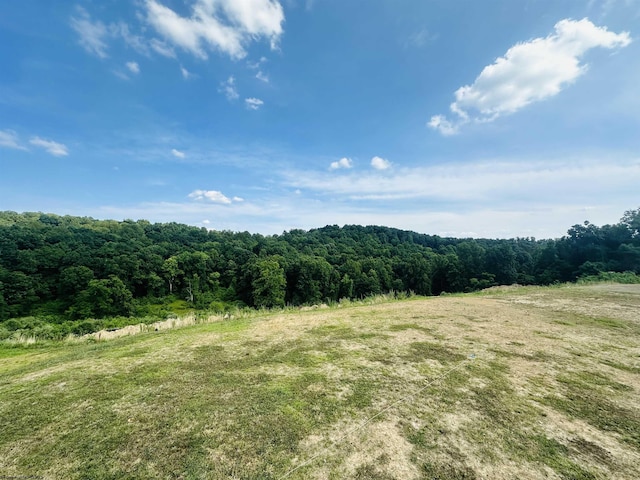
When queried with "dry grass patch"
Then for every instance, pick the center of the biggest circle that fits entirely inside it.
(552, 393)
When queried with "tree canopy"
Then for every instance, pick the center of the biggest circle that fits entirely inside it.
(76, 267)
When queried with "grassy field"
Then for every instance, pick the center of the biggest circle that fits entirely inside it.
(524, 383)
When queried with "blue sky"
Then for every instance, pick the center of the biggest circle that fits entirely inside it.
(494, 118)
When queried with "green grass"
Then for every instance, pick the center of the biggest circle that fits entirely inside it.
(257, 396)
(590, 396)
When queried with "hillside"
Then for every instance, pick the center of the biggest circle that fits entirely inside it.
(62, 275)
(509, 383)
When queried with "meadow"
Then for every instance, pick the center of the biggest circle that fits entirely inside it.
(510, 382)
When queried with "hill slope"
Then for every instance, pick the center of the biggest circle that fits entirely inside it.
(511, 383)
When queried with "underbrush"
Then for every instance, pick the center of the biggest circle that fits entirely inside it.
(32, 329)
(610, 277)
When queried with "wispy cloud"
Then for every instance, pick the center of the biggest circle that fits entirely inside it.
(136, 42)
(608, 6)
(497, 182)
(546, 218)
(178, 153)
(54, 148)
(9, 139)
(262, 76)
(529, 72)
(228, 87)
(224, 25)
(419, 38)
(380, 163)
(186, 74)
(133, 67)
(255, 65)
(253, 103)
(161, 48)
(95, 37)
(92, 34)
(342, 163)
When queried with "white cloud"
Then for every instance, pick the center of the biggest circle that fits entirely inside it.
(380, 163)
(608, 6)
(92, 34)
(178, 153)
(186, 74)
(529, 72)
(444, 126)
(546, 217)
(238, 199)
(262, 76)
(229, 89)
(136, 42)
(342, 163)
(54, 148)
(9, 139)
(483, 183)
(419, 38)
(133, 67)
(257, 64)
(214, 196)
(121, 75)
(253, 103)
(162, 48)
(224, 25)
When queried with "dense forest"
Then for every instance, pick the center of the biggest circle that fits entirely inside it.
(61, 269)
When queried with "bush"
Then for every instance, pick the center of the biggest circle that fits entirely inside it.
(613, 277)
(86, 326)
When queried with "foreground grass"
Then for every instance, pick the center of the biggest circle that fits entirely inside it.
(551, 392)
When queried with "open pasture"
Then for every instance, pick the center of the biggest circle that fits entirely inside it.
(525, 383)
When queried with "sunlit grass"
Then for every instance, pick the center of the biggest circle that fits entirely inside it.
(458, 388)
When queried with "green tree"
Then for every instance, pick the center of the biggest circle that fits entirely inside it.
(103, 298)
(171, 270)
(4, 308)
(346, 287)
(74, 279)
(631, 219)
(268, 283)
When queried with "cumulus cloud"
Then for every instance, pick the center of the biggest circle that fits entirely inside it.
(133, 67)
(253, 103)
(177, 153)
(529, 72)
(380, 163)
(213, 196)
(342, 163)
(228, 87)
(93, 35)
(54, 148)
(224, 25)
(9, 139)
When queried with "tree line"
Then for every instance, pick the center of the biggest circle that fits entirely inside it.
(73, 268)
